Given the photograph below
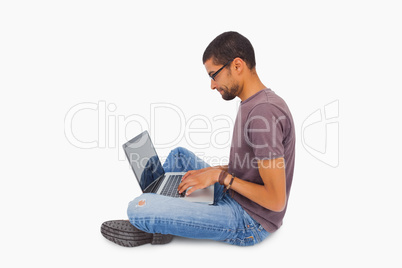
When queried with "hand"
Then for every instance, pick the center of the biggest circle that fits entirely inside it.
(198, 179)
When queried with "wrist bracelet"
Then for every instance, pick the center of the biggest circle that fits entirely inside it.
(230, 184)
(222, 177)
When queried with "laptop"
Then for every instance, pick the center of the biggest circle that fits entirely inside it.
(151, 176)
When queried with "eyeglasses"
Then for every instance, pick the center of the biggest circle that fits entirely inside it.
(217, 72)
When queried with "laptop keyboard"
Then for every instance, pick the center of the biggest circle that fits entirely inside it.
(170, 188)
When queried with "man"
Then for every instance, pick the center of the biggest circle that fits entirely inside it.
(251, 192)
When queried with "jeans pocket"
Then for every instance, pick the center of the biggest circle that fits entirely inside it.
(259, 233)
(243, 240)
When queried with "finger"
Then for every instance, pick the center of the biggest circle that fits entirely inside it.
(183, 186)
(179, 189)
(188, 173)
(194, 188)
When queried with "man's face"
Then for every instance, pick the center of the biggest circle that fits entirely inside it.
(224, 82)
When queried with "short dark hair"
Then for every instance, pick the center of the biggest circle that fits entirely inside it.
(228, 46)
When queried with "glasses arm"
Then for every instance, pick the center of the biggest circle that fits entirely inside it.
(217, 72)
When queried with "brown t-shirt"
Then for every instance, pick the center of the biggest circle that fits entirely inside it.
(263, 129)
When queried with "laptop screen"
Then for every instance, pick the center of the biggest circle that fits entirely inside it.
(143, 159)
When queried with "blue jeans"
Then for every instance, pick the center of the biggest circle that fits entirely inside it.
(224, 221)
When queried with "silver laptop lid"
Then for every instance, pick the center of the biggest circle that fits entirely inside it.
(143, 159)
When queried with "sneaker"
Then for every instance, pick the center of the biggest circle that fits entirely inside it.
(123, 233)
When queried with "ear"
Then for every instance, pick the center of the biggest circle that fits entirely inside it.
(239, 65)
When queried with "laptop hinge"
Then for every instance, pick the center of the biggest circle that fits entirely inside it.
(154, 186)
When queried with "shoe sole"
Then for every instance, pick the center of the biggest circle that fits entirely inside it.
(125, 234)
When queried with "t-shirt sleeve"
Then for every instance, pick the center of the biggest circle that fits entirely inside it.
(265, 131)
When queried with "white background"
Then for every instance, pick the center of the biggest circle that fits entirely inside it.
(130, 55)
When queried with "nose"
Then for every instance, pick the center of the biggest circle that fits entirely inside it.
(213, 84)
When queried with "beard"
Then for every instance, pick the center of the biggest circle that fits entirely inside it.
(229, 94)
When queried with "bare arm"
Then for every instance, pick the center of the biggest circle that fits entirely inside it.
(271, 195)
